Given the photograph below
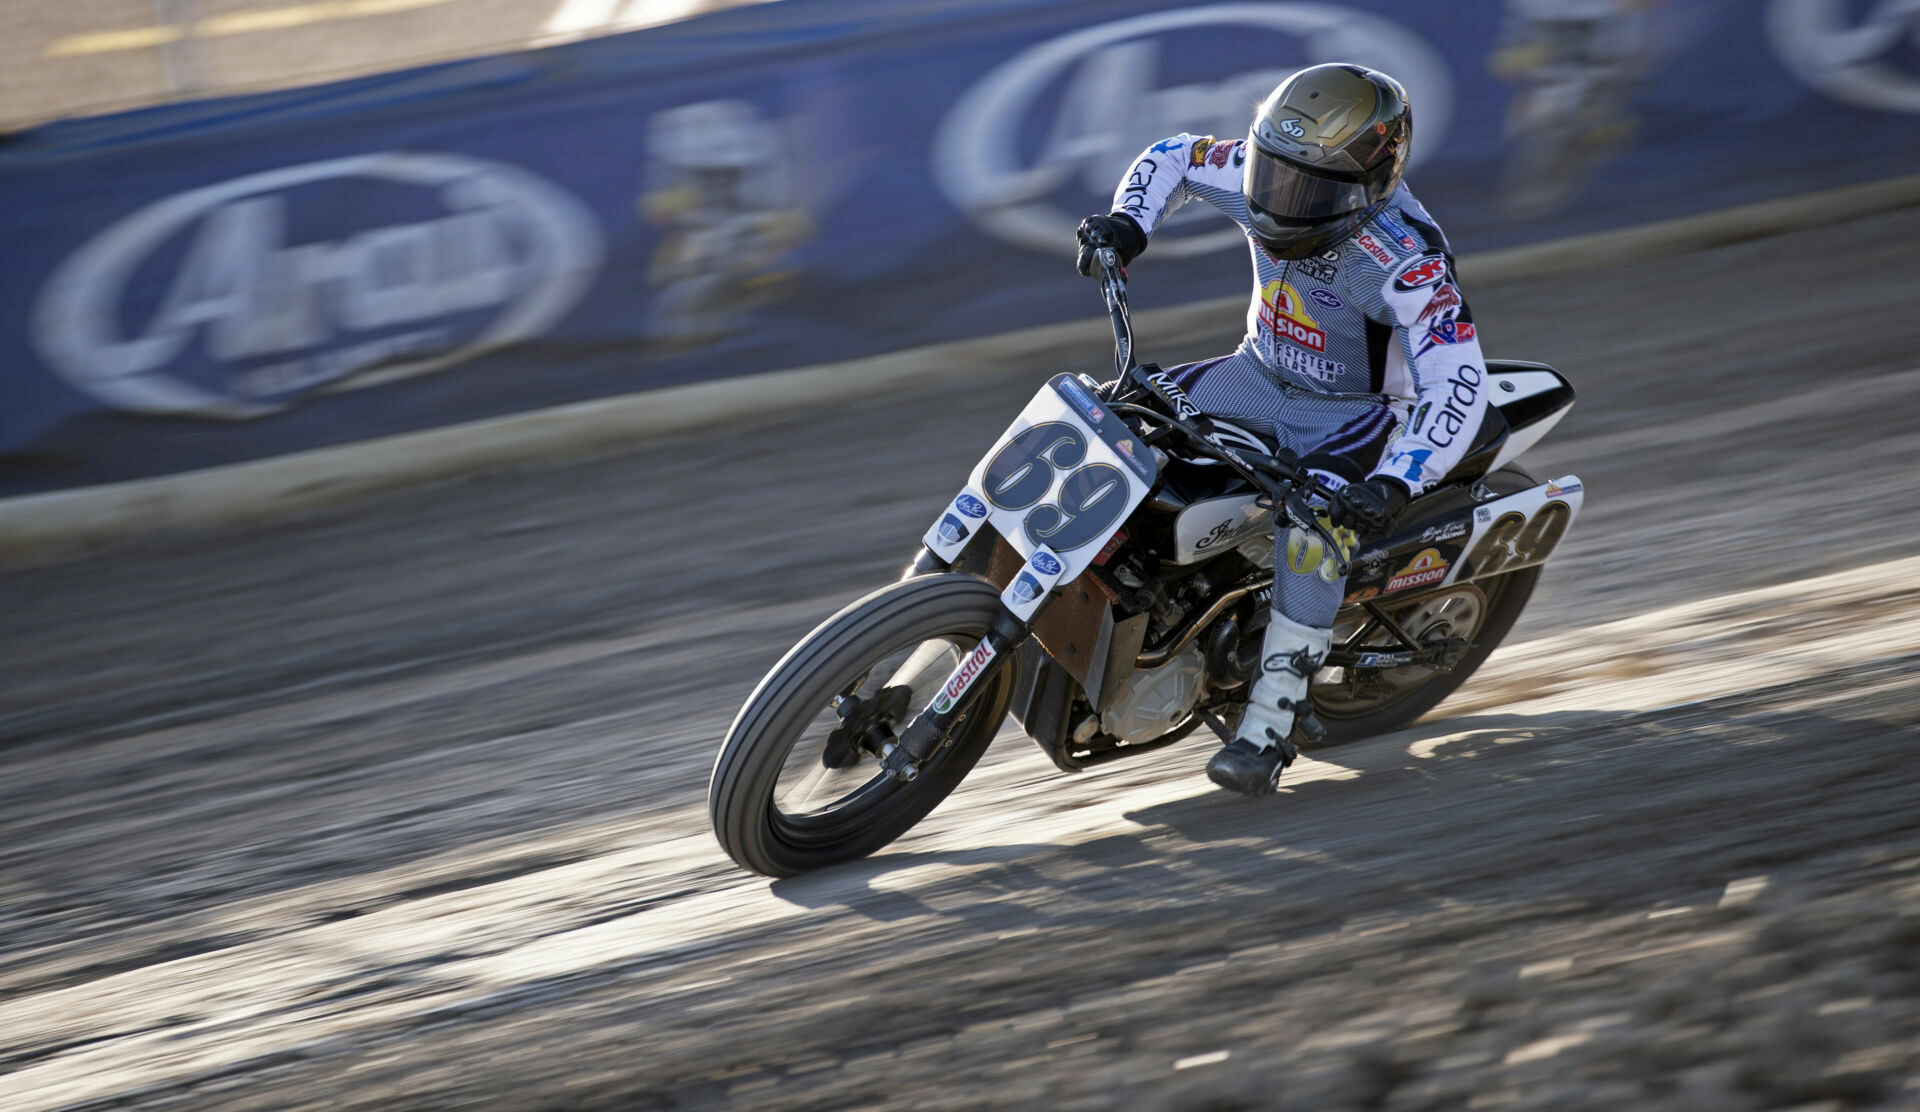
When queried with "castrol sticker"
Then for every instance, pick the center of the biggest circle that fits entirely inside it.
(963, 677)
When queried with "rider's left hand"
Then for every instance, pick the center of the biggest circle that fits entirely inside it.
(1368, 507)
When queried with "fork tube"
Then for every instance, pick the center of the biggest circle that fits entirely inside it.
(929, 728)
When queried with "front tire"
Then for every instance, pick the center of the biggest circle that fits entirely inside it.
(777, 808)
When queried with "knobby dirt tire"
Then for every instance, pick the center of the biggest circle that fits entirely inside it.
(740, 796)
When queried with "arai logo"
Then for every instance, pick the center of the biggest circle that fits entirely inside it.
(1092, 96)
(199, 304)
(1856, 58)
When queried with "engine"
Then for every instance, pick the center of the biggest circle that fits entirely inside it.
(1152, 701)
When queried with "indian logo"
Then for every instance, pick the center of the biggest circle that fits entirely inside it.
(1427, 567)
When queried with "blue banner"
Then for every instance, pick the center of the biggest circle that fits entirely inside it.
(808, 181)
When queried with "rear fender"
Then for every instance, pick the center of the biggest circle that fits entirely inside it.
(1532, 398)
(1451, 535)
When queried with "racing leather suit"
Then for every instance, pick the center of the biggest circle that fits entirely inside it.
(1363, 360)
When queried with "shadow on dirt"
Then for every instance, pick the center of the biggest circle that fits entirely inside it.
(1554, 807)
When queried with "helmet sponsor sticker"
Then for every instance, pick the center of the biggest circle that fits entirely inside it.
(272, 287)
(1101, 93)
(1426, 568)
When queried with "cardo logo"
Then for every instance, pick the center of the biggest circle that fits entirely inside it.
(1095, 98)
(1850, 57)
(242, 321)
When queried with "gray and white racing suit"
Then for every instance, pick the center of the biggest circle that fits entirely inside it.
(1362, 359)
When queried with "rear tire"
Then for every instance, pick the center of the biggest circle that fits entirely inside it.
(772, 727)
(1507, 596)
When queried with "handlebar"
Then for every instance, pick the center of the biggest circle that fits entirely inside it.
(1113, 284)
(1295, 485)
(1289, 489)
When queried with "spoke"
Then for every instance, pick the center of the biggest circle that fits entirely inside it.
(802, 793)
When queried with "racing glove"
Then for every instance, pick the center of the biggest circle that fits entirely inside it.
(1118, 231)
(1368, 507)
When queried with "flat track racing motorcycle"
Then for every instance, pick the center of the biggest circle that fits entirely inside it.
(1106, 576)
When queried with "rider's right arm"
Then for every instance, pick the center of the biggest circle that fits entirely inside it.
(1174, 169)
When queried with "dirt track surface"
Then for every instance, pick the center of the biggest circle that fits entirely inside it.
(403, 807)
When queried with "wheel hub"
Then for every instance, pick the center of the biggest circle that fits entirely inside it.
(866, 725)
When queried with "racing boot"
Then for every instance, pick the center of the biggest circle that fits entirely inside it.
(1262, 747)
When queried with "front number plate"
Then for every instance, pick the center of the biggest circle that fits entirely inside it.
(1057, 485)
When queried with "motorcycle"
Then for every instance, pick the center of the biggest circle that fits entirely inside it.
(1105, 576)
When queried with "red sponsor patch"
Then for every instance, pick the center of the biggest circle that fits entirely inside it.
(1447, 330)
(1372, 247)
(1427, 567)
(1425, 273)
(1217, 158)
(1282, 311)
(1445, 300)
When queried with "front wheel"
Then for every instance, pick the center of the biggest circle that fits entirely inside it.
(788, 794)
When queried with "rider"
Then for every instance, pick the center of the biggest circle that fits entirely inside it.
(1360, 354)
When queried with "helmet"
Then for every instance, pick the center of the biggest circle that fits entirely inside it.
(1327, 149)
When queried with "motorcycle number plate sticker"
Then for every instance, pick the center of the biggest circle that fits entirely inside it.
(1062, 479)
(1518, 530)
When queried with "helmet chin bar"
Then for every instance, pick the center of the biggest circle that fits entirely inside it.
(1318, 237)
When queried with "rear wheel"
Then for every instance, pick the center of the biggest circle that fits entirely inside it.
(1354, 703)
(792, 790)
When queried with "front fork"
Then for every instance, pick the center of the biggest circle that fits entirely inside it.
(923, 736)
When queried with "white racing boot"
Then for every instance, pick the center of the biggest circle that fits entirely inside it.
(1251, 764)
